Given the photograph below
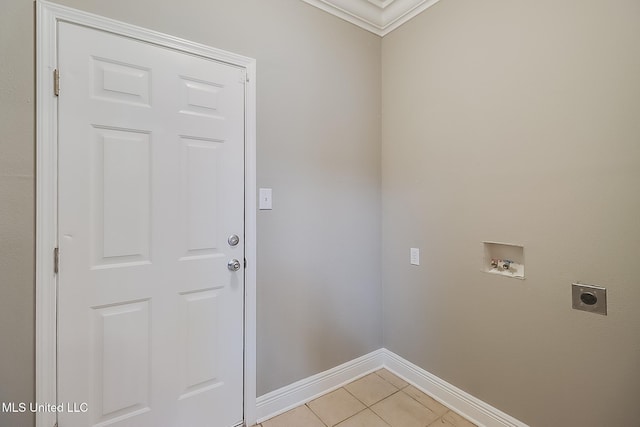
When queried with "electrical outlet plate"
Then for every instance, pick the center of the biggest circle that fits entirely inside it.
(589, 298)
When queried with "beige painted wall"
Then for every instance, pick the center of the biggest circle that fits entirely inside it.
(318, 148)
(516, 122)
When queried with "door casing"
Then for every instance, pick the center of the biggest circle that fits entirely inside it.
(48, 15)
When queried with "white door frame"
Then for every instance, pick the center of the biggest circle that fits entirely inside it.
(48, 17)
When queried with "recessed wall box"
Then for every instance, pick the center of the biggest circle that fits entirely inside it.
(504, 259)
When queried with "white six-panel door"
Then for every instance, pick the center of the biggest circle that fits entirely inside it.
(151, 185)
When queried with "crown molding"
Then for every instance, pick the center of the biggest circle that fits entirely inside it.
(377, 16)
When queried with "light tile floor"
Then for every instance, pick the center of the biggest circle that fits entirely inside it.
(379, 399)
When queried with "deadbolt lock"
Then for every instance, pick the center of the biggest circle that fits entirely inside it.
(233, 240)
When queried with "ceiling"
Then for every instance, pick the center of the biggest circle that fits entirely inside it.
(378, 16)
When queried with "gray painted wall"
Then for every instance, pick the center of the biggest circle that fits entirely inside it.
(318, 148)
(516, 122)
(17, 208)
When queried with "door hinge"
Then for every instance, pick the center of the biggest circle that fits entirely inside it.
(56, 263)
(245, 263)
(56, 82)
(56, 424)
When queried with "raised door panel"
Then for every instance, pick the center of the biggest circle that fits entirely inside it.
(151, 156)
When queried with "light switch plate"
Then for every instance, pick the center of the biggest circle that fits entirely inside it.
(265, 199)
(415, 256)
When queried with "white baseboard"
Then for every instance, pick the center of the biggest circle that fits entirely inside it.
(303, 391)
(472, 408)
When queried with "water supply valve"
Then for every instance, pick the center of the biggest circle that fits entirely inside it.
(501, 264)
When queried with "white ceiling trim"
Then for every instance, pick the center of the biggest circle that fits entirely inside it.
(381, 3)
(378, 16)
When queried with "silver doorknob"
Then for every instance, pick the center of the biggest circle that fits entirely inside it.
(233, 240)
(233, 265)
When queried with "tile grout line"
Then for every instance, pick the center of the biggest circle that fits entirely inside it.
(359, 412)
(398, 389)
(368, 407)
(439, 418)
(314, 413)
(416, 400)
